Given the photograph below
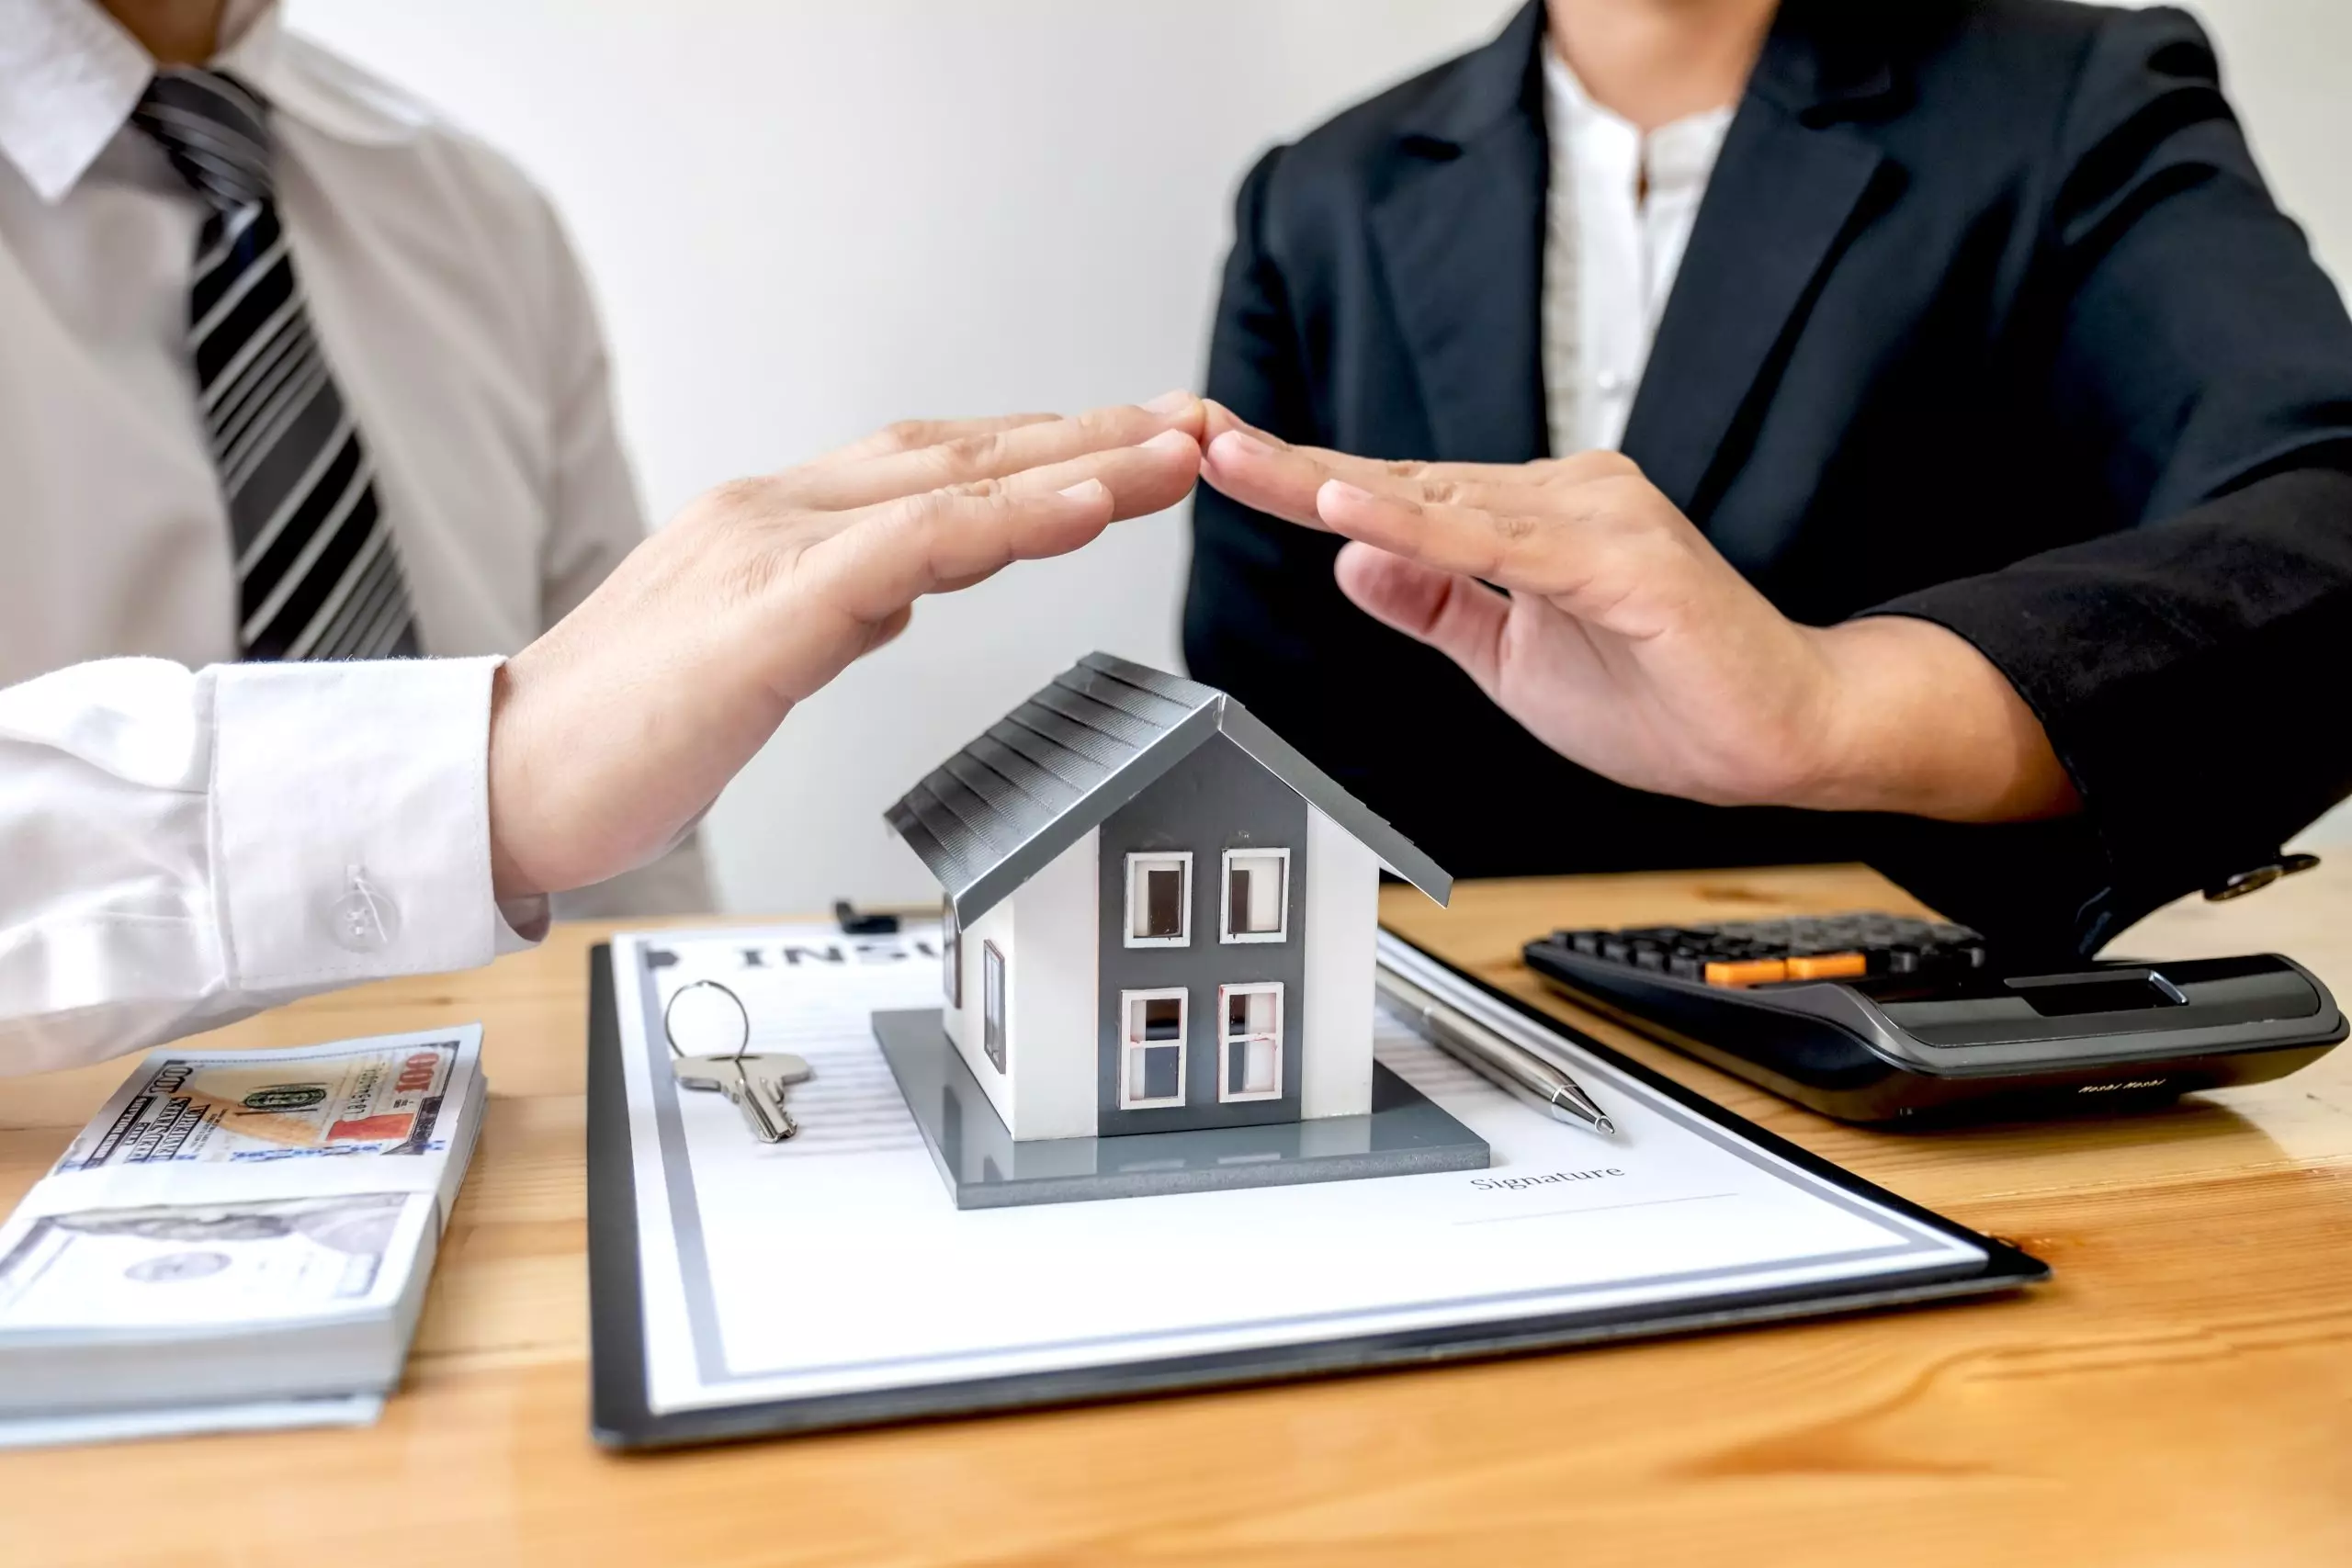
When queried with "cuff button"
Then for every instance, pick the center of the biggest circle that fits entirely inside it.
(365, 919)
(2260, 877)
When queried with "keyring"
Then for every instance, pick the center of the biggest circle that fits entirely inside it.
(742, 1050)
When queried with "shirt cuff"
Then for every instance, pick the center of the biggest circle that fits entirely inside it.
(350, 822)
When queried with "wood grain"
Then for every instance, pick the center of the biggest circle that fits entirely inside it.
(2180, 1396)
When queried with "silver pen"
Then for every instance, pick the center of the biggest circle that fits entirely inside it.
(1472, 1044)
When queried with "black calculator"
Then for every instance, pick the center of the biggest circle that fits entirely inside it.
(1882, 1018)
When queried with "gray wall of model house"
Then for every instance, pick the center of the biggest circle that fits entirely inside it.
(1216, 799)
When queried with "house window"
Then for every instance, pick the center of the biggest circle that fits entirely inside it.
(1256, 895)
(992, 1004)
(951, 954)
(1159, 900)
(1250, 1065)
(1151, 1058)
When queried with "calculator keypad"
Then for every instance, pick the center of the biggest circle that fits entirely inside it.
(1801, 947)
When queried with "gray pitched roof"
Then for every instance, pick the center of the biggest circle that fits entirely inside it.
(1057, 766)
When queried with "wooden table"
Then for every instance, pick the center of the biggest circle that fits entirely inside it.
(2182, 1395)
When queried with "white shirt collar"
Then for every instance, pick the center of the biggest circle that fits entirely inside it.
(1681, 152)
(70, 75)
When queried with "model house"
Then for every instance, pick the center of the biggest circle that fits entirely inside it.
(1160, 916)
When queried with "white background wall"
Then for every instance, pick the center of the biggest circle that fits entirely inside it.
(807, 218)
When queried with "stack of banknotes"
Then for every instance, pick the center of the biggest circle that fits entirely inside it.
(239, 1239)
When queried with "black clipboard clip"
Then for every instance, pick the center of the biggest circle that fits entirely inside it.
(855, 923)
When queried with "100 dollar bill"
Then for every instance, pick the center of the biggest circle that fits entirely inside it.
(197, 1264)
(379, 1097)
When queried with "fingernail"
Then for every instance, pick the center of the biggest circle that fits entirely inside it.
(1169, 441)
(1340, 490)
(1240, 444)
(1085, 490)
(1176, 401)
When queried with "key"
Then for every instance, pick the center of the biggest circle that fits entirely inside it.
(761, 1099)
(712, 1072)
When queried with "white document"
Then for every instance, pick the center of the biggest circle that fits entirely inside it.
(837, 1263)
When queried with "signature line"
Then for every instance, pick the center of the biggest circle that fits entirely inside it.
(1596, 1209)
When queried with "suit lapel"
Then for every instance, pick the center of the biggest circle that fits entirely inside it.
(1459, 234)
(1462, 246)
(1789, 189)
(1460, 238)
(1778, 206)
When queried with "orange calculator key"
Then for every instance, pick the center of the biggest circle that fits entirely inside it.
(1751, 971)
(1829, 967)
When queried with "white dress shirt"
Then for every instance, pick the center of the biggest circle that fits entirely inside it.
(452, 312)
(178, 848)
(182, 849)
(1617, 221)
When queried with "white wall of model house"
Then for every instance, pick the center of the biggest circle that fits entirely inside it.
(1047, 936)
(1342, 926)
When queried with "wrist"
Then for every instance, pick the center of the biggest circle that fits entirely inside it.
(508, 880)
(1916, 721)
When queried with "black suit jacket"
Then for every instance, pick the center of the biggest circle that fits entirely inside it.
(1987, 317)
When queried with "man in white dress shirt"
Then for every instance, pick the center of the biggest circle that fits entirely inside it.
(178, 849)
(417, 330)
(295, 379)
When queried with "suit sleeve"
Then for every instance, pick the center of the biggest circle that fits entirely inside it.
(2203, 363)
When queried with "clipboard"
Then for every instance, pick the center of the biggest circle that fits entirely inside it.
(623, 1416)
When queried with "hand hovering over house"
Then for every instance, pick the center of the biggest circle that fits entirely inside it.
(1591, 610)
(613, 732)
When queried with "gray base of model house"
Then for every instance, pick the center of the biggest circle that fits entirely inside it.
(1406, 1135)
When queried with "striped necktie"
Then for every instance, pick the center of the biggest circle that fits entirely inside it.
(317, 575)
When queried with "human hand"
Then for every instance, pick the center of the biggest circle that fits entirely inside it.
(611, 734)
(1624, 641)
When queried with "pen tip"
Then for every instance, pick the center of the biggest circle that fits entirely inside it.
(1605, 1127)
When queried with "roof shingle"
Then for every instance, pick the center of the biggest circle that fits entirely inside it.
(992, 815)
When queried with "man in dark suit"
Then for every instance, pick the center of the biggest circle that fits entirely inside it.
(1997, 422)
